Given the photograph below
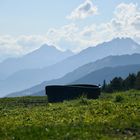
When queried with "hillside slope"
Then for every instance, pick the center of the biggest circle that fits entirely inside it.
(108, 73)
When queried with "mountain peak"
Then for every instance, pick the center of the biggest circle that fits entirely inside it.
(68, 51)
(120, 39)
(46, 46)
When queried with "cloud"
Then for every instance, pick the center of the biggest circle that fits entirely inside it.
(127, 20)
(125, 23)
(8, 47)
(83, 11)
(67, 33)
(17, 46)
(31, 41)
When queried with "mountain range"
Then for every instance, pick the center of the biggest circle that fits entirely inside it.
(26, 78)
(92, 73)
(108, 73)
(40, 58)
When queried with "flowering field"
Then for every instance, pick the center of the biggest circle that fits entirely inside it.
(113, 116)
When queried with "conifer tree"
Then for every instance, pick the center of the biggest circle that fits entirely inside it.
(129, 82)
(137, 83)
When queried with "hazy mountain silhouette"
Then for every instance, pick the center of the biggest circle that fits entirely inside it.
(27, 78)
(107, 74)
(110, 61)
(42, 57)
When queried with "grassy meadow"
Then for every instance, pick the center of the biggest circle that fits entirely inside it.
(111, 117)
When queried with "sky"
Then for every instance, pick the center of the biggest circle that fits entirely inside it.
(67, 24)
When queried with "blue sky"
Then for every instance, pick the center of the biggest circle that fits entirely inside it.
(37, 16)
(26, 24)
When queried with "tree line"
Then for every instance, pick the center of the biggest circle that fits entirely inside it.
(120, 84)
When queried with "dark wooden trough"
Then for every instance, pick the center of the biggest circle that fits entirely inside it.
(59, 93)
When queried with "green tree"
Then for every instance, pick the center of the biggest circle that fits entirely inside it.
(116, 84)
(137, 82)
(129, 82)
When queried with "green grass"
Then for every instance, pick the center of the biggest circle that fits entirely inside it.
(112, 117)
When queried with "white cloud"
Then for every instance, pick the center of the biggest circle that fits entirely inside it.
(17, 46)
(84, 10)
(125, 23)
(8, 47)
(31, 42)
(127, 20)
(67, 33)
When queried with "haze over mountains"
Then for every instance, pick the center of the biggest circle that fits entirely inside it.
(108, 73)
(42, 57)
(92, 73)
(45, 71)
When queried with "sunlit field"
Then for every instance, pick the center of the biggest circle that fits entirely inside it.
(113, 116)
